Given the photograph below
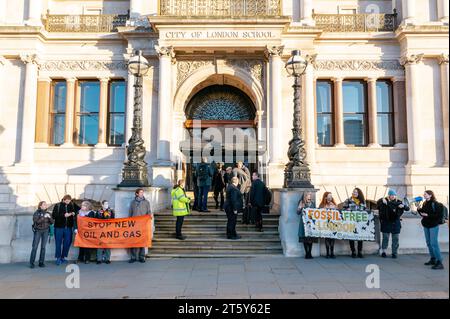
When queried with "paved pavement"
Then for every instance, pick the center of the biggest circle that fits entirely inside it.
(232, 278)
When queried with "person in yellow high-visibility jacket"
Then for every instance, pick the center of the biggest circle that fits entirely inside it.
(180, 207)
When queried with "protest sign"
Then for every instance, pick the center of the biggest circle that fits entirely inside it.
(339, 224)
(130, 232)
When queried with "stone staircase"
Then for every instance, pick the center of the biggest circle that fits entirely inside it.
(206, 236)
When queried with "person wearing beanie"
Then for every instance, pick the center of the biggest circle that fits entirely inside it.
(390, 210)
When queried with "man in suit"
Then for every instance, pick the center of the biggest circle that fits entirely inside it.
(233, 205)
(257, 200)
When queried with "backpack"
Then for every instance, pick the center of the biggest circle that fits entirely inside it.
(444, 213)
(203, 172)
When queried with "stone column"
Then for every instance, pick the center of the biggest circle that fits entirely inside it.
(413, 107)
(399, 95)
(443, 10)
(29, 108)
(34, 13)
(135, 9)
(443, 62)
(373, 114)
(306, 7)
(166, 54)
(43, 111)
(310, 118)
(3, 11)
(275, 103)
(339, 113)
(103, 113)
(409, 11)
(70, 112)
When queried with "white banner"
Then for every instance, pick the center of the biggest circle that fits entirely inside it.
(339, 224)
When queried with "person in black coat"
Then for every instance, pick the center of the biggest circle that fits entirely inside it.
(64, 214)
(218, 183)
(391, 210)
(257, 200)
(432, 213)
(233, 205)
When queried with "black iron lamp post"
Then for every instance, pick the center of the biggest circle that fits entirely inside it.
(297, 173)
(134, 172)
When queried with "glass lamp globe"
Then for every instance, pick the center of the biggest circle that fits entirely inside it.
(138, 64)
(296, 65)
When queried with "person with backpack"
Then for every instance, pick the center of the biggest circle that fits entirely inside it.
(257, 200)
(104, 213)
(204, 181)
(84, 254)
(180, 207)
(64, 214)
(390, 210)
(41, 229)
(432, 213)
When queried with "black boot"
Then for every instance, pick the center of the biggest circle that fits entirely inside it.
(438, 265)
(353, 254)
(332, 252)
(328, 252)
(431, 262)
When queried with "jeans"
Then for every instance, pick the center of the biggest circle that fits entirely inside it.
(203, 200)
(63, 237)
(431, 237)
(103, 251)
(395, 242)
(179, 225)
(138, 253)
(42, 237)
(84, 254)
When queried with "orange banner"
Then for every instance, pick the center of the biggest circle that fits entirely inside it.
(131, 232)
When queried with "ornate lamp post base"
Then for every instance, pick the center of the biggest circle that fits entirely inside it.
(134, 176)
(297, 177)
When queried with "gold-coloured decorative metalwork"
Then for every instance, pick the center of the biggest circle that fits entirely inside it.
(85, 23)
(220, 8)
(370, 22)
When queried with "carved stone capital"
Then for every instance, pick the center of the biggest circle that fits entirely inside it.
(29, 58)
(443, 58)
(411, 59)
(276, 50)
(168, 52)
(311, 58)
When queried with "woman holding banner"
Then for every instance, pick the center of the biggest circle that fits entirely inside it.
(356, 202)
(105, 212)
(84, 254)
(329, 203)
(305, 202)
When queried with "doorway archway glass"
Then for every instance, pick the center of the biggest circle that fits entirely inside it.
(220, 125)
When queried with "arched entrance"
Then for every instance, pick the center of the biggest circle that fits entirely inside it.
(220, 124)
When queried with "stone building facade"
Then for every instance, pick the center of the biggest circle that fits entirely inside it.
(374, 94)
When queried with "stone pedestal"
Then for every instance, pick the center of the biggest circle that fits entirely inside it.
(286, 201)
(164, 175)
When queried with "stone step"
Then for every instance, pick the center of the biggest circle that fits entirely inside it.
(216, 233)
(163, 249)
(213, 242)
(213, 213)
(204, 220)
(221, 227)
(207, 254)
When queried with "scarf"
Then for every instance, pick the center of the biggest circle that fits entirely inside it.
(356, 200)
